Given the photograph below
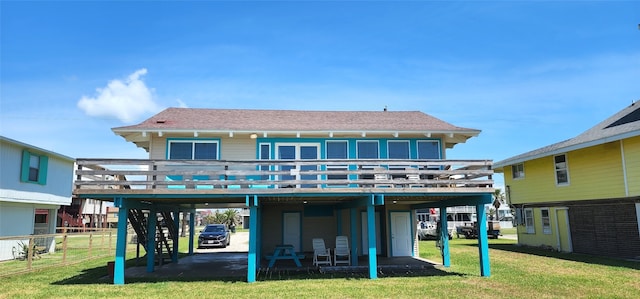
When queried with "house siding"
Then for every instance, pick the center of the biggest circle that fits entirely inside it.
(312, 227)
(55, 191)
(539, 238)
(237, 148)
(632, 162)
(594, 172)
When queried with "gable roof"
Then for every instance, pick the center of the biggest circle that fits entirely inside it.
(622, 125)
(199, 120)
(291, 120)
(36, 149)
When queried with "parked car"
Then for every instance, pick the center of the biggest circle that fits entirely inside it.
(431, 231)
(214, 235)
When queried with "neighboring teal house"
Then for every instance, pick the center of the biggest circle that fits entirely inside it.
(301, 174)
(583, 194)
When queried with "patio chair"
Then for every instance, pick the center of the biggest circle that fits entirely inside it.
(382, 179)
(321, 254)
(341, 254)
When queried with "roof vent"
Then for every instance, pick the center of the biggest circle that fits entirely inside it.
(160, 121)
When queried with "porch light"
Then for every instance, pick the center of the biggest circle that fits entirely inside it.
(253, 136)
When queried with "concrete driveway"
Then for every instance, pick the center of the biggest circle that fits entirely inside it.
(239, 243)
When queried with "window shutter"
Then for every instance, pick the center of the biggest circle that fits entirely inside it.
(24, 173)
(42, 174)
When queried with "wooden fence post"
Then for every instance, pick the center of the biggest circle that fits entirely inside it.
(64, 247)
(90, 243)
(29, 253)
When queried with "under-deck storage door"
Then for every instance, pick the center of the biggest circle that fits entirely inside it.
(291, 230)
(401, 234)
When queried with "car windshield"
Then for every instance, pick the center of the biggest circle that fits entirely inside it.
(214, 229)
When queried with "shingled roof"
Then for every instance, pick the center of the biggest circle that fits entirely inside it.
(297, 123)
(622, 125)
(292, 120)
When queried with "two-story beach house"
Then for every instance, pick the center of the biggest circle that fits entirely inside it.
(34, 183)
(302, 175)
(581, 195)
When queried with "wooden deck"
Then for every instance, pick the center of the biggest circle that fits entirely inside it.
(104, 178)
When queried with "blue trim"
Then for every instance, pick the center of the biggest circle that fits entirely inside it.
(151, 240)
(444, 238)
(43, 165)
(252, 257)
(351, 145)
(483, 242)
(258, 233)
(121, 240)
(371, 229)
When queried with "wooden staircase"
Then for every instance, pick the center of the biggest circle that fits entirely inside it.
(166, 232)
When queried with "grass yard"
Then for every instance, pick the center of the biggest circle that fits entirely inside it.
(516, 273)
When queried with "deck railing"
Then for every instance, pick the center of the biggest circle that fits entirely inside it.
(280, 174)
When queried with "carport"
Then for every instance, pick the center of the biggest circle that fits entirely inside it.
(349, 210)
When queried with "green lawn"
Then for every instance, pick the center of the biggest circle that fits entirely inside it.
(516, 273)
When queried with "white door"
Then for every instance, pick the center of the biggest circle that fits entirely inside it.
(365, 235)
(401, 234)
(291, 225)
(298, 151)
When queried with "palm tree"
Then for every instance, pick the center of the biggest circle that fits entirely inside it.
(231, 218)
(498, 198)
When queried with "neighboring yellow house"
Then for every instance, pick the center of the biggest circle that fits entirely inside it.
(581, 195)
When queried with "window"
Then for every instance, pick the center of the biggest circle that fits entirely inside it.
(398, 149)
(528, 221)
(193, 150)
(264, 154)
(561, 169)
(546, 223)
(517, 171)
(367, 149)
(34, 168)
(41, 216)
(428, 149)
(337, 150)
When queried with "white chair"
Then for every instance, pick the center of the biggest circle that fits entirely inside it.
(382, 179)
(342, 255)
(321, 254)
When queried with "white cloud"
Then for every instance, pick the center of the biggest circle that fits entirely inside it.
(126, 101)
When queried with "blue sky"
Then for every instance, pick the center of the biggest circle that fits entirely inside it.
(526, 73)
